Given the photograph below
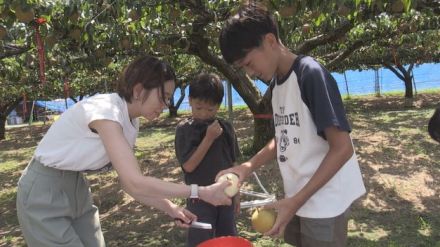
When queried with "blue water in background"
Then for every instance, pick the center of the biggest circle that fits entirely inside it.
(426, 76)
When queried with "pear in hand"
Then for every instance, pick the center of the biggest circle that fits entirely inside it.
(232, 189)
(263, 219)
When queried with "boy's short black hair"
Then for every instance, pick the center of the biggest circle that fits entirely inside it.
(434, 125)
(207, 87)
(244, 31)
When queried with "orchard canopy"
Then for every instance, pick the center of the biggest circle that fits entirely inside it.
(85, 43)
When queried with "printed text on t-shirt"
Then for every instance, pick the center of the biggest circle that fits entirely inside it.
(290, 119)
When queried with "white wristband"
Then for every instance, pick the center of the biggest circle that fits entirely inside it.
(194, 191)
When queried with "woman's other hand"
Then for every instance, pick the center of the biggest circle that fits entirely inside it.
(182, 217)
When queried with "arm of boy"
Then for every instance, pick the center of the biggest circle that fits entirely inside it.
(138, 186)
(213, 131)
(237, 207)
(266, 154)
(341, 150)
(236, 199)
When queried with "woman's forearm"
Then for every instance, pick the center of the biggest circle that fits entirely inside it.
(163, 205)
(144, 186)
(150, 187)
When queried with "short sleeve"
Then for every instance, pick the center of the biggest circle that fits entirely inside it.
(185, 142)
(231, 139)
(320, 93)
(103, 107)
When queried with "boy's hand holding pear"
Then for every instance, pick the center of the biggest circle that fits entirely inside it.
(242, 171)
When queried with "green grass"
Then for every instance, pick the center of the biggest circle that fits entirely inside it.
(398, 93)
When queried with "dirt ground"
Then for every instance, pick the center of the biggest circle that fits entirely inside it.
(398, 160)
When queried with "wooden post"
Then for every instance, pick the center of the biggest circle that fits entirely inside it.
(376, 83)
(230, 110)
(346, 85)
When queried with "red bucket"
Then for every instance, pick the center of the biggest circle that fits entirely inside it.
(226, 242)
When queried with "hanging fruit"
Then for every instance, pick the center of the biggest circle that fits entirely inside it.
(52, 61)
(413, 27)
(99, 53)
(74, 16)
(315, 14)
(134, 15)
(289, 10)
(6, 13)
(397, 6)
(125, 43)
(343, 10)
(174, 13)
(24, 15)
(50, 41)
(3, 32)
(107, 61)
(306, 28)
(29, 60)
(75, 34)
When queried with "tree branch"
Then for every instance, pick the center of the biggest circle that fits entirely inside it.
(390, 67)
(344, 54)
(13, 50)
(322, 39)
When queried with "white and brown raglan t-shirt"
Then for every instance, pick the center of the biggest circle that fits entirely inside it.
(306, 102)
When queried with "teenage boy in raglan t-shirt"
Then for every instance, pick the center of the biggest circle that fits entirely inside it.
(312, 144)
(305, 102)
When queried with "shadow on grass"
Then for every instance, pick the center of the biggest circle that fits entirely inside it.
(23, 137)
(400, 224)
(9, 180)
(138, 225)
(393, 149)
(9, 229)
(377, 140)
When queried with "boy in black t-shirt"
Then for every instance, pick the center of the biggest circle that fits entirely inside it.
(204, 146)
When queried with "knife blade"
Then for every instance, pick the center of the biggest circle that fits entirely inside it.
(201, 225)
(197, 224)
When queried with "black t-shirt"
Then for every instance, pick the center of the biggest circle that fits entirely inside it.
(221, 155)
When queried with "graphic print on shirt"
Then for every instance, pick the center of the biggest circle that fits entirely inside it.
(284, 141)
(288, 120)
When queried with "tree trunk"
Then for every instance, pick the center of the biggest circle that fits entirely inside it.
(2, 126)
(5, 109)
(263, 126)
(175, 106)
(404, 75)
(408, 85)
(172, 111)
(263, 132)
